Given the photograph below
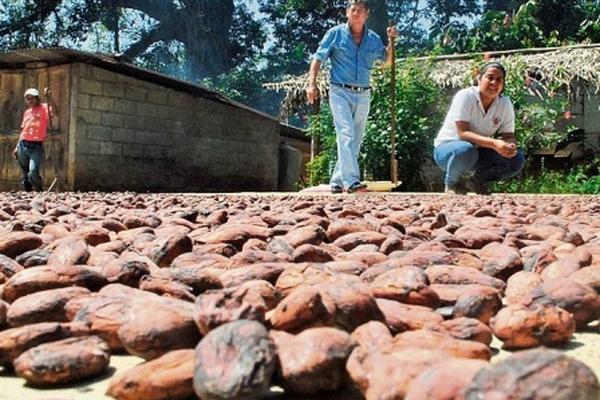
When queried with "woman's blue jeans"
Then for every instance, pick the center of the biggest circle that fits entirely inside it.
(30, 156)
(350, 111)
(457, 157)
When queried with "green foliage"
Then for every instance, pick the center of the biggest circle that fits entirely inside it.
(418, 115)
(589, 29)
(583, 179)
(522, 24)
(215, 39)
(244, 84)
(321, 126)
(45, 23)
(216, 35)
(534, 116)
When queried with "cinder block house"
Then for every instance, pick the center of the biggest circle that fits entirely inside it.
(120, 127)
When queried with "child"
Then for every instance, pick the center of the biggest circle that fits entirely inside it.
(29, 151)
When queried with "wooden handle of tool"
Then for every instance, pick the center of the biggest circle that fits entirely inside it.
(393, 161)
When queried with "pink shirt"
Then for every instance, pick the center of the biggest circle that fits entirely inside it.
(35, 123)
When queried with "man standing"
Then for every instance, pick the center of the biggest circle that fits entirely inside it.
(34, 130)
(352, 49)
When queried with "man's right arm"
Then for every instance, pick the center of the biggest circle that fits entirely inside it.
(321, 55)
(312, 92)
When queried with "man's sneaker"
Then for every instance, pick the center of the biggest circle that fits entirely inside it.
(336, 189)
(478, 186)
(457, 188)
(357, 187)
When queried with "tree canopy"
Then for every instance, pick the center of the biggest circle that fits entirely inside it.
(236, 45)
(215, 35)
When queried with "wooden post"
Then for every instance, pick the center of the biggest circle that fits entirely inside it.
(314, 139)
(393, 160)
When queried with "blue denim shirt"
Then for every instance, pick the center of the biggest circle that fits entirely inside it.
(350, 63)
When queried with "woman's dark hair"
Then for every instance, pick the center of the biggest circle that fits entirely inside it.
(488, 65)
(492, 64)
(350, 3)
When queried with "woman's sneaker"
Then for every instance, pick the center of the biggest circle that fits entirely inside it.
(336, 189)
(457, 188)
(478, 186)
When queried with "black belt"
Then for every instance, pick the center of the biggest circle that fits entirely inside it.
(359, 89)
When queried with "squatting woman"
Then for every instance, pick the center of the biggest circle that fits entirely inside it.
(478, 135)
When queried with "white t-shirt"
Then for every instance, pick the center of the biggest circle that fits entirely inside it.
(466, 106)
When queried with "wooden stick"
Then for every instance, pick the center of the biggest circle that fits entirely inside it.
(314, 139)
(393, 160)
(51, 186)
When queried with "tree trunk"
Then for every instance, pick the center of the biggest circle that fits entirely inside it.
(203, 26)
(207, 25)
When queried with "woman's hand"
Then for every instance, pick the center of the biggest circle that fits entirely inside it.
(505, 149)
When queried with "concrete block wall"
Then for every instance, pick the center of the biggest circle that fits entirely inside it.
(129, 134)
(304, 147)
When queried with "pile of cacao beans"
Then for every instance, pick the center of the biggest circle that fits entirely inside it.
(375, 296)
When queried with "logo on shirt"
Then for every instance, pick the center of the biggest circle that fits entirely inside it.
(496, 121)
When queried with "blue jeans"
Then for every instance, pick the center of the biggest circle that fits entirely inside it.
(30, 156)
(350, 111)
(457, 157)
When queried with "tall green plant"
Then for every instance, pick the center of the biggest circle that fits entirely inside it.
(418, 115)
(535, 116)
(321, 127)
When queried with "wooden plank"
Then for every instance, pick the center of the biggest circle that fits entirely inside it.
(12, 104)
(71, 131)
(59, 83)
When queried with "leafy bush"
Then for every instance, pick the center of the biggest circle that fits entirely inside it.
(583, 179)
(418, 114)
(534, 116)
(321, 126)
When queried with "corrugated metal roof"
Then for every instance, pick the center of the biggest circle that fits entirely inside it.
(56, 56)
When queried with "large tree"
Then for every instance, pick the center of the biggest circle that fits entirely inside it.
(298, 26)
(216, 35)
(502, 5)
